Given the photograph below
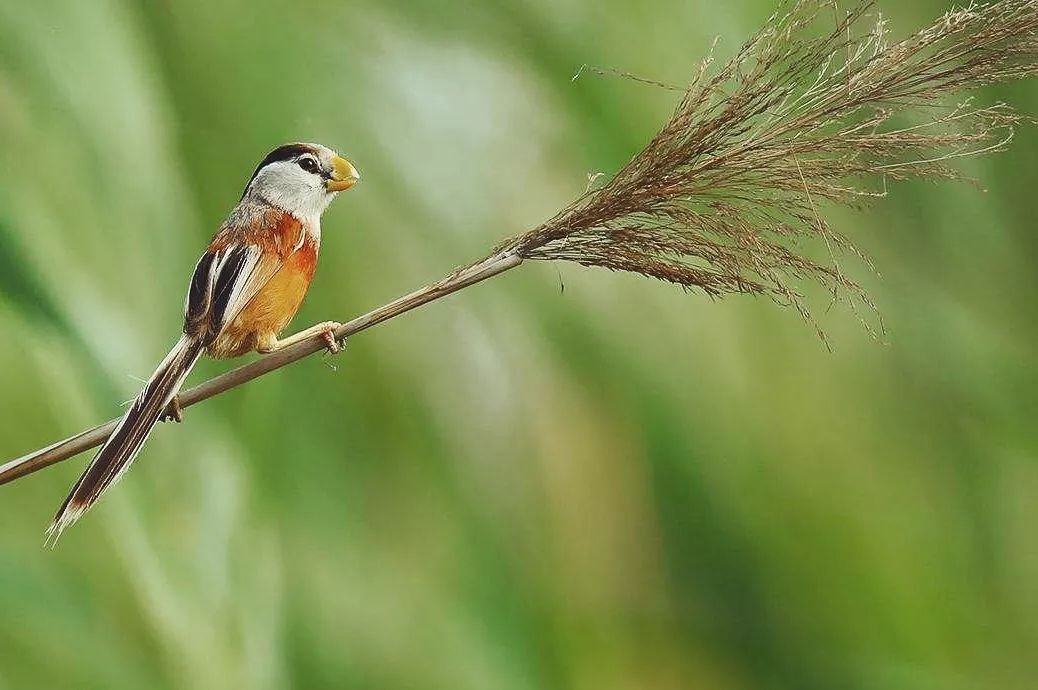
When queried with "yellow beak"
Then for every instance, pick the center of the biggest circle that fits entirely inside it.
(344, 175)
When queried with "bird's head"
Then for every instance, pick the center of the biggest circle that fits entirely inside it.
(301, 179)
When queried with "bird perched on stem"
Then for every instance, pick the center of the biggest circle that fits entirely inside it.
(246, 288)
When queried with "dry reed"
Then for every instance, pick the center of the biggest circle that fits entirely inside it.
(817, 108)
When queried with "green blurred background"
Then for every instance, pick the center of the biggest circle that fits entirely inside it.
(614, 485)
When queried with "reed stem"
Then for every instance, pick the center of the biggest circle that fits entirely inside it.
(91, 438)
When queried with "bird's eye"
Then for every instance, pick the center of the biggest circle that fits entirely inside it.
(308, 164)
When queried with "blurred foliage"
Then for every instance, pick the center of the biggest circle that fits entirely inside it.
(614, 485)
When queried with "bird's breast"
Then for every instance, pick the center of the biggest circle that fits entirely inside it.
(275, 303)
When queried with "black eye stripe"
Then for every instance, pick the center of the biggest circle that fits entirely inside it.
(308, 164)
(281, 153)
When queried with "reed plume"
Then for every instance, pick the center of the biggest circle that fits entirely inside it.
(818, 108)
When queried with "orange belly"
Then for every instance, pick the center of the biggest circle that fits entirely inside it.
(271, 309)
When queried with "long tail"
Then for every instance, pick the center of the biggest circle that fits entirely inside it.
(122, 446)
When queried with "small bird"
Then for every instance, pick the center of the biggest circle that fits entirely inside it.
(245, 289)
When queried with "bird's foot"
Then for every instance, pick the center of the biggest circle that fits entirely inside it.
(173, 413)
(334, 345)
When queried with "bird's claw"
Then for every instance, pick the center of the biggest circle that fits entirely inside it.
(173, 412)
(333, 344)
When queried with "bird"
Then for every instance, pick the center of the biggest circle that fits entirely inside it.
(245, 289)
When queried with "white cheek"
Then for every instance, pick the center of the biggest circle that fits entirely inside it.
(289, 187)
